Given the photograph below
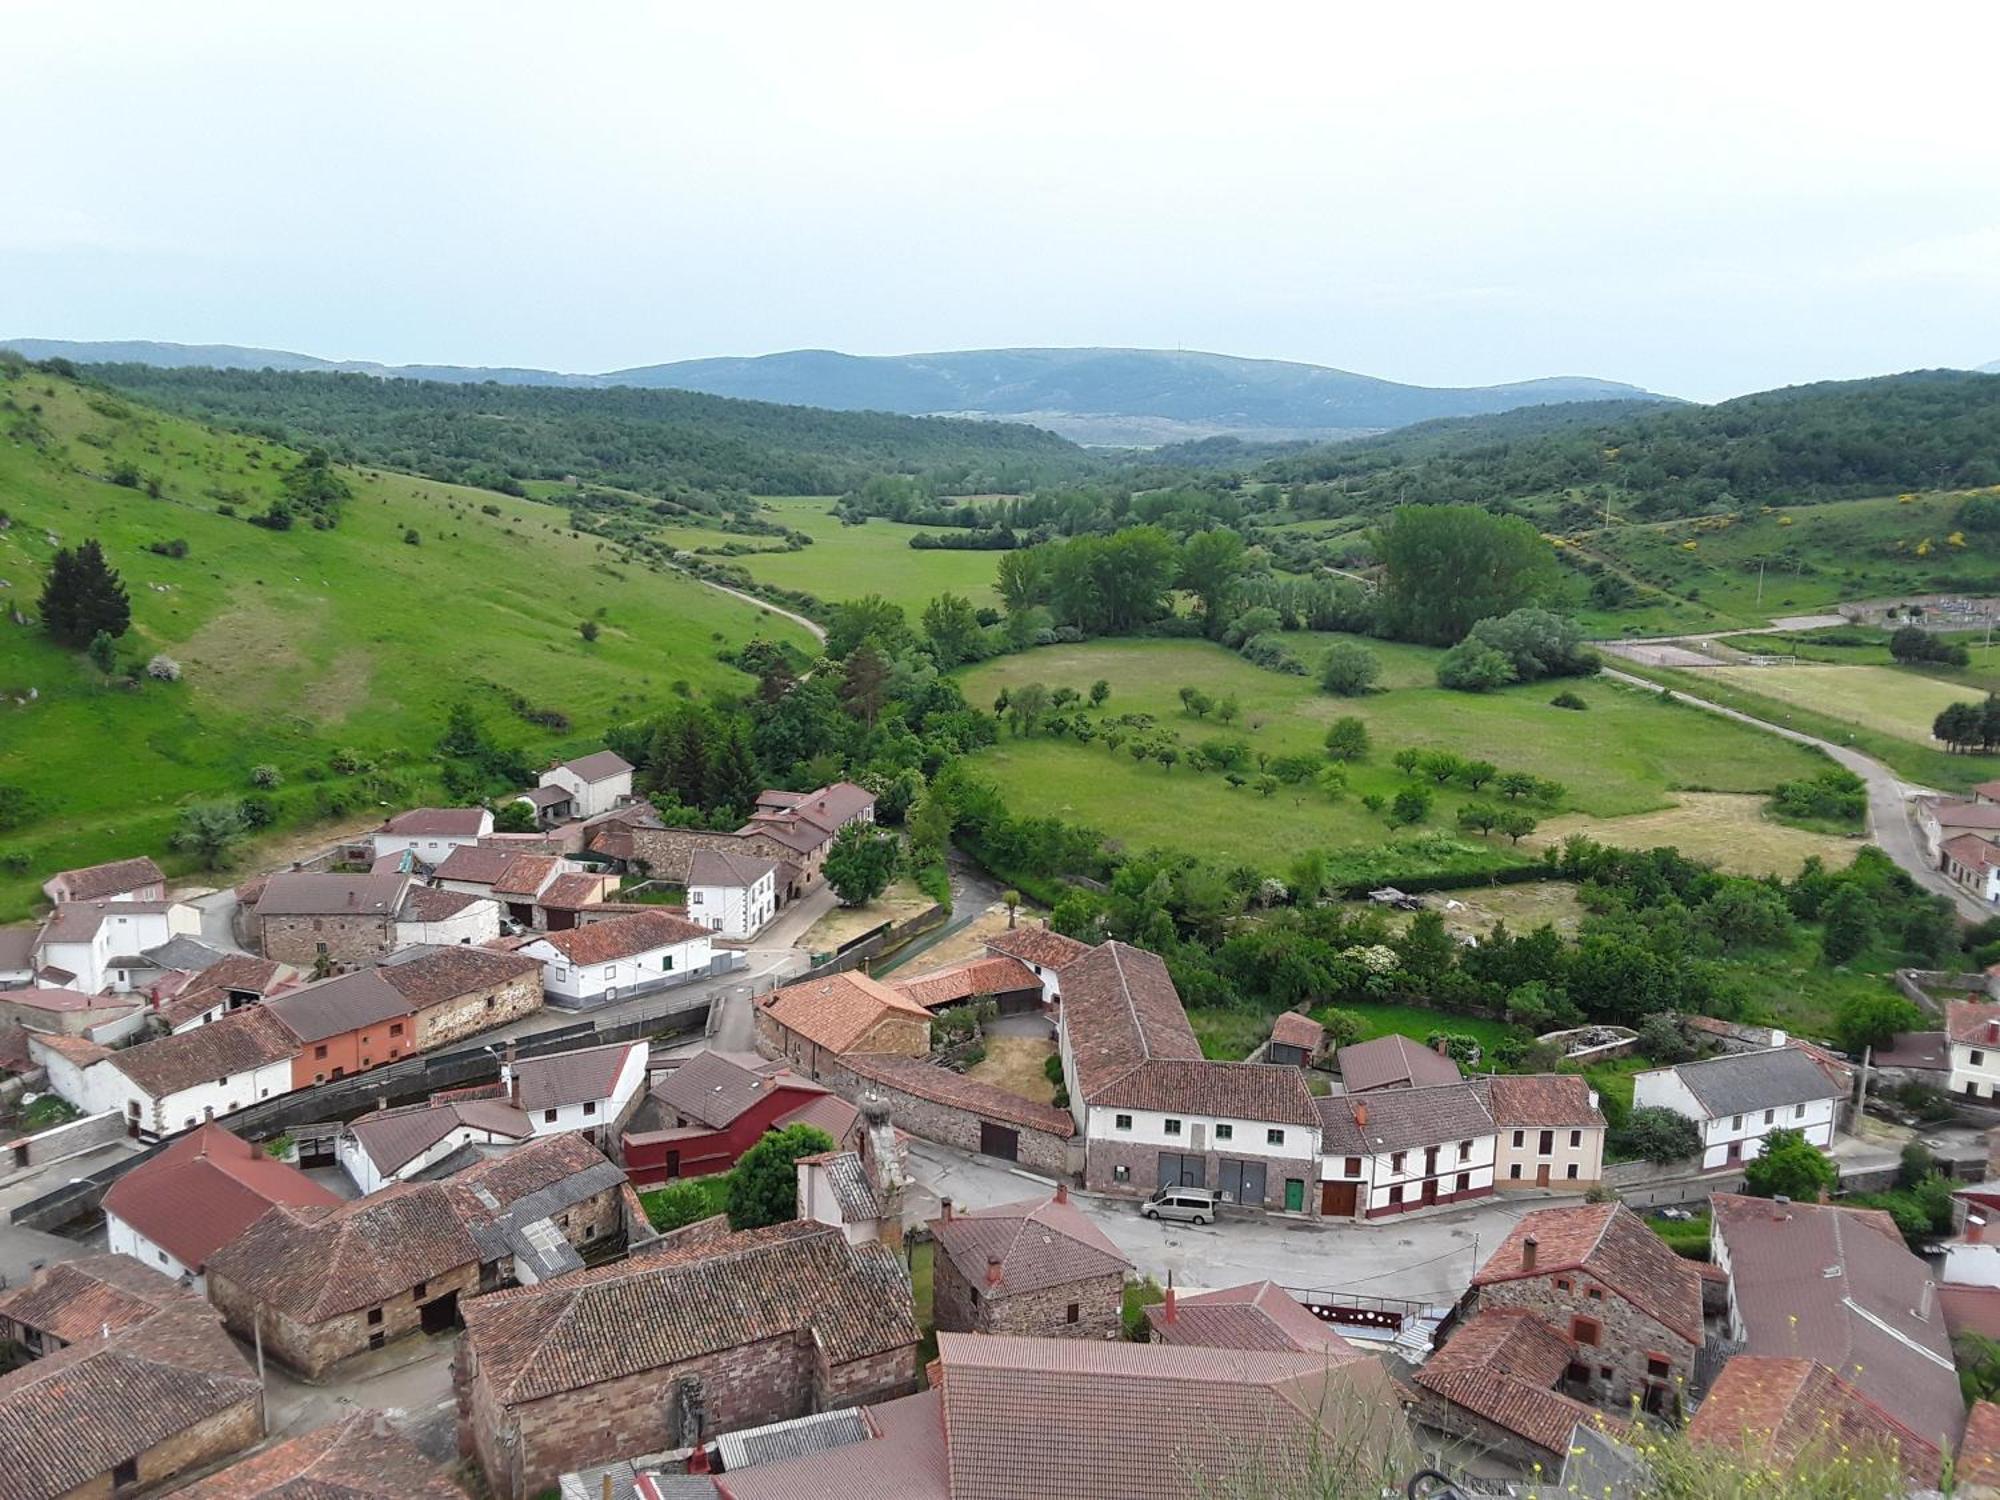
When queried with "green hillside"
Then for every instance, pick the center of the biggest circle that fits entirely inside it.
(295, 644)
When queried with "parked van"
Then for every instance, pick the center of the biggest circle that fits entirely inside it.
(1188, 1205)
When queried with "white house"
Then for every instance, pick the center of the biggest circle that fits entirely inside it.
(593, 784)
(98, 946)
(1972, 1031)
(1973, 861)
(1738, 1099)
(393, 1145)
(619, 957)
(732, 895)
(431, 833)
(1044, 950)
(595, 1089)
(176, 1082)
(431, 915)
(1393, 1150)
(136, 879)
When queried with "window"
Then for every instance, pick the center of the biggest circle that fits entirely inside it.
(1736, 1122)
(589, 1108)
(222, 1083)
(1658, 1367)
(610, 971)
(318, 1053)
(1225, 1132)
(1595, 1294)
(374, 1316)
(163, 1256)
(1121, 1174)
(1351, 1167)
(1563, 1284)
(1977, 1057)
(1396, 1193)
(395, 1028)
(1570, 1172)
(489, 1002)
(1770, 1115)
(125, 1472)
(548, 1117)
(1545, 1143)
(1073, 1313)
(1273, 1137)
(1798, 1111)
(1514, 1170)
(975, 1296)
(1173, 1127)
(376, 1340)
(667, 964)
(1586, 1331)
(1464, 1183)
(418, 1289)
(1465, 1151)
(1606, 1374)
(1520, 1139)
(1123, 1122)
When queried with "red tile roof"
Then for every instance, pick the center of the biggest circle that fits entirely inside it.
(526, 874)
(1258, 1315)
(1389, 1062)
(75, 1300)
(1039, 1242)
(1539, 1099)
(1233, 1090)
(458, 822)
(1979, 1451)
(1401, 1119)
(904, 1460)
(1971, 851)
(113, 878)
(573, 891)
(1791, 1411)
(1043, 946)
(1120, 1009)
(441, 972)
(1502, 1365)
(203, 1190)
(1614, 1245)
(837, 1010)
(1293, 1029)
(475, 864)
(236, 1043)
(1973, 1022)
(622, 937)
(356, 1457)
(965, 981)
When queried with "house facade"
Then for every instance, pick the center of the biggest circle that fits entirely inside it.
(1738, 1099)
(1972, 860)
(431, 833)
(303, 917)
(593, 1090)
(174, 1083)
(99, 946)
(815, 1022)
(1548, 1131)
(731, 895)
(1401, 1149)
(616, 959)
(711, 1109)
(592, 784)
(394, 1145)
(1972, 1037)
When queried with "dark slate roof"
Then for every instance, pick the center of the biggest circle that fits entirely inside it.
(183, 952)
(599, 765)
(302, 893)
(1739, 1082)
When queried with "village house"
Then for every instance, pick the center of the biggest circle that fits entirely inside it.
(395, 1145)
(732, 895)
(1259, 1315)
(793, 830)
(1839, 1286)
(141, 1385)
(1045, 951)
(1155, 1114)
(1972, 1035)
(1626, 1306)
(1785, 1412)
(1295, 1040)
(17, 955)
(1395, 1149)
(705, 1113)
(1392, 1062)
(812, 1023)
(429, 916)
(536, 889)
(118, 880)
(326, 1283)
(1037, 1268)
(96, 946)
(1549, 1132)
(347, 919)
(861, 1192)
(359, 1456)
(565, 900)
(170, 965)
(232, 982)
(593, 1090)
(431, 833)
(618, 958)
(1940, 819)
(731, 1333)
(175, 1210)
(1737, 1100)
(1973, 861)
(174, 1083)
(97, 1018)
(518, 888)
(344, 1025)
(1509, 1382)
(1012, 987)
(581, 788)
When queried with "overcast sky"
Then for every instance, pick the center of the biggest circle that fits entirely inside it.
(1702, 200)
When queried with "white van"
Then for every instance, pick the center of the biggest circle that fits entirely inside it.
(1190, 1205)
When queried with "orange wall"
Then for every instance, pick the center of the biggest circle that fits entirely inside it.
(354, 1051)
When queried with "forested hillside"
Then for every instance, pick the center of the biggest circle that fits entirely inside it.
(667, 443)
(1935, 429)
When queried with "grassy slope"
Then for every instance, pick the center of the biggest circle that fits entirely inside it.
(846, 562)
(1622, 756)
(294, 643)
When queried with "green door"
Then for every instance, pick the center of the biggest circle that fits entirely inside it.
(1295, 1195)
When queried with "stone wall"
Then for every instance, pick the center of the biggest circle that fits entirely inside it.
(1489, 1439)
(348, 939)
(228, 1431)
(949, 1124)
(1102, 1159)
(957, 1306)
(667, 851)
(1629, 1336)
(61, 1141)
(464, 1015)
(312, 1349)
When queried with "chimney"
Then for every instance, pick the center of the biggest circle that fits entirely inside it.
(698, 1463)
(1062, 1192)
(947, 1210)
(992, 1270)
(1441, 1047)
(1528, 1248)
(1167, 1315)
(1593, 1098)
(1360, 1116)
(1778, 1206)
(1924, 1306)
(381, 1101)
(1975, 1230)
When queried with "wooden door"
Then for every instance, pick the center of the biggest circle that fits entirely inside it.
(999, 1140)
(1336, 1199)
(1542, 1175)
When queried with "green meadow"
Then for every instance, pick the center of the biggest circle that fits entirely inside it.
(848, 562)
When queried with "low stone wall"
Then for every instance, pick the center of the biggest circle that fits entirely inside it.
(884, 941)
(1916, 986)
(62, 1141)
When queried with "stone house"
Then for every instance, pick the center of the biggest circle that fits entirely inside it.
(1507, 1381)
(937, 1104)
(145, 1387)
(232, 982)
(666, 1350)
(1737, 1100)
(174, 1083)
(78, 1301)
(1548, 1129)
(1044, 950)
(1037, 1268)
(792, 830)
(431, 833)
(815, 1021)
(1396, 1149)
(732, 895)
(1629, 1308)
(136, 879)
(455, 991)
(303, 916)
(619, 958)
(359, 1456)
(326, 1283)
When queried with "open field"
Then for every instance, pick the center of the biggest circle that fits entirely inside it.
(1471, 910)
(297, 642)
(1727, 829)
(1622, 756)
(846, 562)
(1889, 700)
(1016, 1063)
(845, 923)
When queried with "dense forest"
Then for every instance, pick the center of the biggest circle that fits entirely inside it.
(1935, 429)
(673, 444)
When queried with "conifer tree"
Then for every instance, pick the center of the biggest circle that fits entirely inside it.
(84, 596)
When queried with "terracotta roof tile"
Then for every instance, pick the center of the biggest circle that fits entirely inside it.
(75, 1300)
(113, 878)
(357, 1457)
(904, 1460)
(1292, 1029)
(336, 1006)
(1786, 1410)
(444, 822)
(394, 1137)
(204, 1189)
(1234, 1090)
(1539, 1099)
(236, 1043)
(304, 893)
(475, 864)
(965, 981)
(1972, 1021)
(713, 1090)
(1613, 1244)
(526, 874)
(1038, 945)
(1389, 1062)
(431, 903)
(1040, 1242)
(1979, 1451)
(1120, 1009)
(1401, 1119)
(434, 973)
(837, 1010)
(622, 937)
(1502, 1365)
(1259, 1315)
(572, 891)
(726, 869)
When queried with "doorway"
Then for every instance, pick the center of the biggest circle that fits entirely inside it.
(999, 1140)
(1336, 1199)
(440, 1314)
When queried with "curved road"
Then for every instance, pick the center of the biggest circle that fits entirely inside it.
(1889, 825)
(815, 629)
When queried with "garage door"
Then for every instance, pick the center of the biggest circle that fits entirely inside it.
(1336, 1199)
(1000, 1141)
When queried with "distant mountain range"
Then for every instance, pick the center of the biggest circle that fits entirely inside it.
(1992, 369)
(1126, 397)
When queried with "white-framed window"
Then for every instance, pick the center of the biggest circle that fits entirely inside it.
(1121, 1122)
(1274, 1137)
(1225, 1132)
(1173, 1127)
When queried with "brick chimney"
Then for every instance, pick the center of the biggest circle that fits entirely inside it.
(1360, 1116)
(993, 1270)
(1528, 1248)
(1441, 1047)
(1062, 1192)
(698, 1463)
(1167, 1313)
(947, 1209)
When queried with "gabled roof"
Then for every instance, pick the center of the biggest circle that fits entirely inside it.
(1839, 1286)
(1120, 1009)
(356, 1457)
(1539, 1100)
(967, 980)
(837, 1010)
(242, 972)
(599, 765)
(1233, 1090)
(1039, 1242)
(1972, 850)
(1257, 1315)
(1972, 1022)
(635, 1316)
(713, 1090)
(430, 903)
(1502, 1365)
(1291, 1029)
(724, 868)
(184, 953)
(1738, 1082)
(589, 1073)
(1953, 814)
(475, 864)
(853, 1193)
(75, 1300)
(441, 822)
(204, 1189)
(336, 1006)
(75, 1415)
(1401, 1119)
(60, 1001)
(112, 878)
(621, 937)
(394, 1137)
(1038, 945)
(429, 974)
(1389, 1062)
(1614, 1245)
(1786, 1411)
(304, 893)
(526, 874)
(236, 1043)
(572, 891)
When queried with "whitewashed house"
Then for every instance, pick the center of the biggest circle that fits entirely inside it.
(1393, 1150)
(1738, 1099)
(1972, 1032)
(393, 1145)
(618, 958)
(584, 787)
(428, 914)
(431, 833)
(1045, 951)
(732, 895)
(1972, 860)
(176, 1082)
(595, 1089)
(100, 946)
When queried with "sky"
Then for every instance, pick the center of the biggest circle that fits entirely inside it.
(1701, 199)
